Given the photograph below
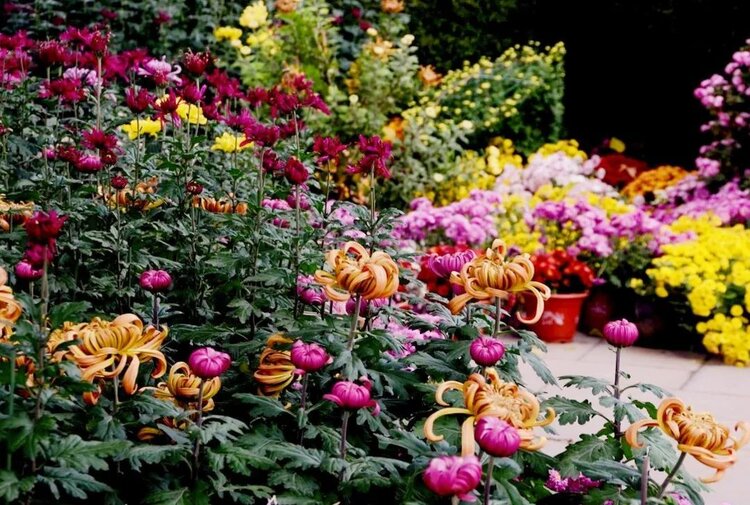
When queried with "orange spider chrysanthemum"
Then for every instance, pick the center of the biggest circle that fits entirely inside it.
(355, 272)
(110, 349)
(275, 371)
(220, 206)
(697, 434)
(10, 309)
(140, 198)
(13, 213)
(491, 276)
(490, 397)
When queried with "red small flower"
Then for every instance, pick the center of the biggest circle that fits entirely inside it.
(197, 63)
(328, 149)
(194, 188)
(375, 154)
(96, 140)
(119, 182)
(295, 171)
(138, 100)
(44, 226)
(162, 17)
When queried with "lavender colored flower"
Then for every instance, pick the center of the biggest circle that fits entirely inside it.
(444, 265)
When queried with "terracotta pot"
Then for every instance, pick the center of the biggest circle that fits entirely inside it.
(559, 320)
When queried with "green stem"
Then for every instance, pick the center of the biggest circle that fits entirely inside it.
(671, 475)
(117, 395)
(498, 307)
(488, 482)
(199, 424)
(644, 478)
(11, 401)
(616, 393)
(353, 326)
(344, 429)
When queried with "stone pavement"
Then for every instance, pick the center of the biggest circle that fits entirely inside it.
(702, 382)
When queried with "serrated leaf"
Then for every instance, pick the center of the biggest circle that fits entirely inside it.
(177, 497)
(11, 487)
(151, 454)
(539, 368)
(263, 406)
(588, 448)
(297, 456)
(294, 481)
(596, 386)
(73, 452)
(571, 411)
(75, 483)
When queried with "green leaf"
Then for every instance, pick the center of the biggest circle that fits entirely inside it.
(294, 481)
(11, 488)
(151, 454)
(263, 406)
(73, 452)
(571, 411)
(596, 386)
(177, 497)
(297, 456)
(589, 448)
(539, 367)
(67, 311)
(75, 483)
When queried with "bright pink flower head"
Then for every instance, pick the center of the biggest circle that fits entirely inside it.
(42, 226)
(444, 265)
(352, 396)
(89, 163)
(453, 476)
(37, 254)
(138, 100)
(26, 271)
(328, 149)
(496, 437)
(309, 292)
(486, 351)
(208, 363)
(155, 281)
(621, 333)
(308, 357)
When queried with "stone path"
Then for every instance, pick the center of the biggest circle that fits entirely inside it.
(705, 383)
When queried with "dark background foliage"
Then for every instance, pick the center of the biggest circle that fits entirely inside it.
(631, 65)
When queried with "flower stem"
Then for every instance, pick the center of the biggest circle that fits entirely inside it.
(11, 401)
(344, 428)
(372, 198)
(199, 424)
(644, 478)
(303, 397)
(498, 307)
(671, 475)
(353, 327)
(155, 311)
(99, 92)
(616, 393)
(297, 242)
(117, 394)
(488, 483)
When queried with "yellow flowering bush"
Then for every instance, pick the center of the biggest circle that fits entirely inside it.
(713, 272)
(230, 143)
(569, 147)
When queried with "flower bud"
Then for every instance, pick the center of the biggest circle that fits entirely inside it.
(26, 271)
(453, 476)
(496, 437)
(351, 396)
(119, 182)
(621, 333)
(308, 357)
(295, 171)
(486, 351)
(155, 281)
(208, 363)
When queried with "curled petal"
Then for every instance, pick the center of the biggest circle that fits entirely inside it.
(429, 424)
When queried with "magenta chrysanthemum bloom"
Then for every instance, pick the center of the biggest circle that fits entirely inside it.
(26, 271)
(155, 281)
(42, 226)
(444, 265)
(308, 357)
(453, 476)
(621, 333)
(486, 351)
(208, 363)
(496, 437)
(351, 396)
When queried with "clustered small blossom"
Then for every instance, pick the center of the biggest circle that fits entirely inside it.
(578, 485)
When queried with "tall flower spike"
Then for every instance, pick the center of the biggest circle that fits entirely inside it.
(490, 397)
(276, 370)
(697, 434)
(355, 272)
(491, 276)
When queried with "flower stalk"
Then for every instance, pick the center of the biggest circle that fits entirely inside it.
(199, 424)
(488, 482)
(671, 475)
(353, 326)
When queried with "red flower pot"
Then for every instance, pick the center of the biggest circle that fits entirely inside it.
(560, 317)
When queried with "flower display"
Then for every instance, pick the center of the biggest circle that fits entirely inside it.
(208, 363)
(352, 396)
(697, 434)
(356, 272)
(453, 476)
(562, 272)
(490, 397)
(491, 275)
(275, 370)
(496, 437)
(651, 181)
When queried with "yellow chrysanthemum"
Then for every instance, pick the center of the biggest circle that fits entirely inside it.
(138, 127)
(227, 33)
(192, 113)
(254, 15)
(230, 143)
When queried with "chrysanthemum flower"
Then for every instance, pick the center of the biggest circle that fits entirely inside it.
(276, 370)
(355, 272)
(491, 276)
(697, 434)
(490, 397)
